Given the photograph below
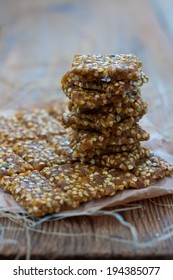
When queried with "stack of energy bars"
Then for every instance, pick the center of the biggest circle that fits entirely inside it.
(105, 107)
(46, 174)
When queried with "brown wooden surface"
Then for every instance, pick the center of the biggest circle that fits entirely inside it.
(37, 42)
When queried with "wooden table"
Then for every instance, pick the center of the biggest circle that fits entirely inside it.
(37, 42)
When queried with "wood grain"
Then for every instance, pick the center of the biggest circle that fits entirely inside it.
(37, 42)
(149, 221)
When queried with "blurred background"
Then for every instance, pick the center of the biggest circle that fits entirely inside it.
(38, 39)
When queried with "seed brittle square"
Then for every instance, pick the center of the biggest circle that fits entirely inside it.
(40, 123)
(10, 163)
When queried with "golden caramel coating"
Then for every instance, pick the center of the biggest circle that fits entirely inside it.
(66, 186)
(125, 160)
(104, 68)
(40, 123)
(76, 89)
(100, 125)
(34, 193)
(42, 172)
(60, 144)
(48, 168)
(127, 106)
(84, 182)
(56, 109)
(92, 99)
(40, 154)
(10, 163)
(152, 169)
(89, 154)
(11, 130)
(83, 140)
(63, 187)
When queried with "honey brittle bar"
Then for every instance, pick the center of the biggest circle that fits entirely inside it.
(105, 119)
(125, 160)
(130, 104)
(85, 99)
(152, 169)
(90, 154)
(103, 126)
(34, 193)
(109, 89)
(83, 140)
(12, 130)
(63, 187)
(10, 163)
(38, 154)
(39, 122)
(105, 68)
(48, 169)
(91, 99)
(57, 108)
(60, 144)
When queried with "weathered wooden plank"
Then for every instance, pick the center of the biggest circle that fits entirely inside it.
(150, 221)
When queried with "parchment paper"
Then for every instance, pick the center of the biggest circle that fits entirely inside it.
(159, 143)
